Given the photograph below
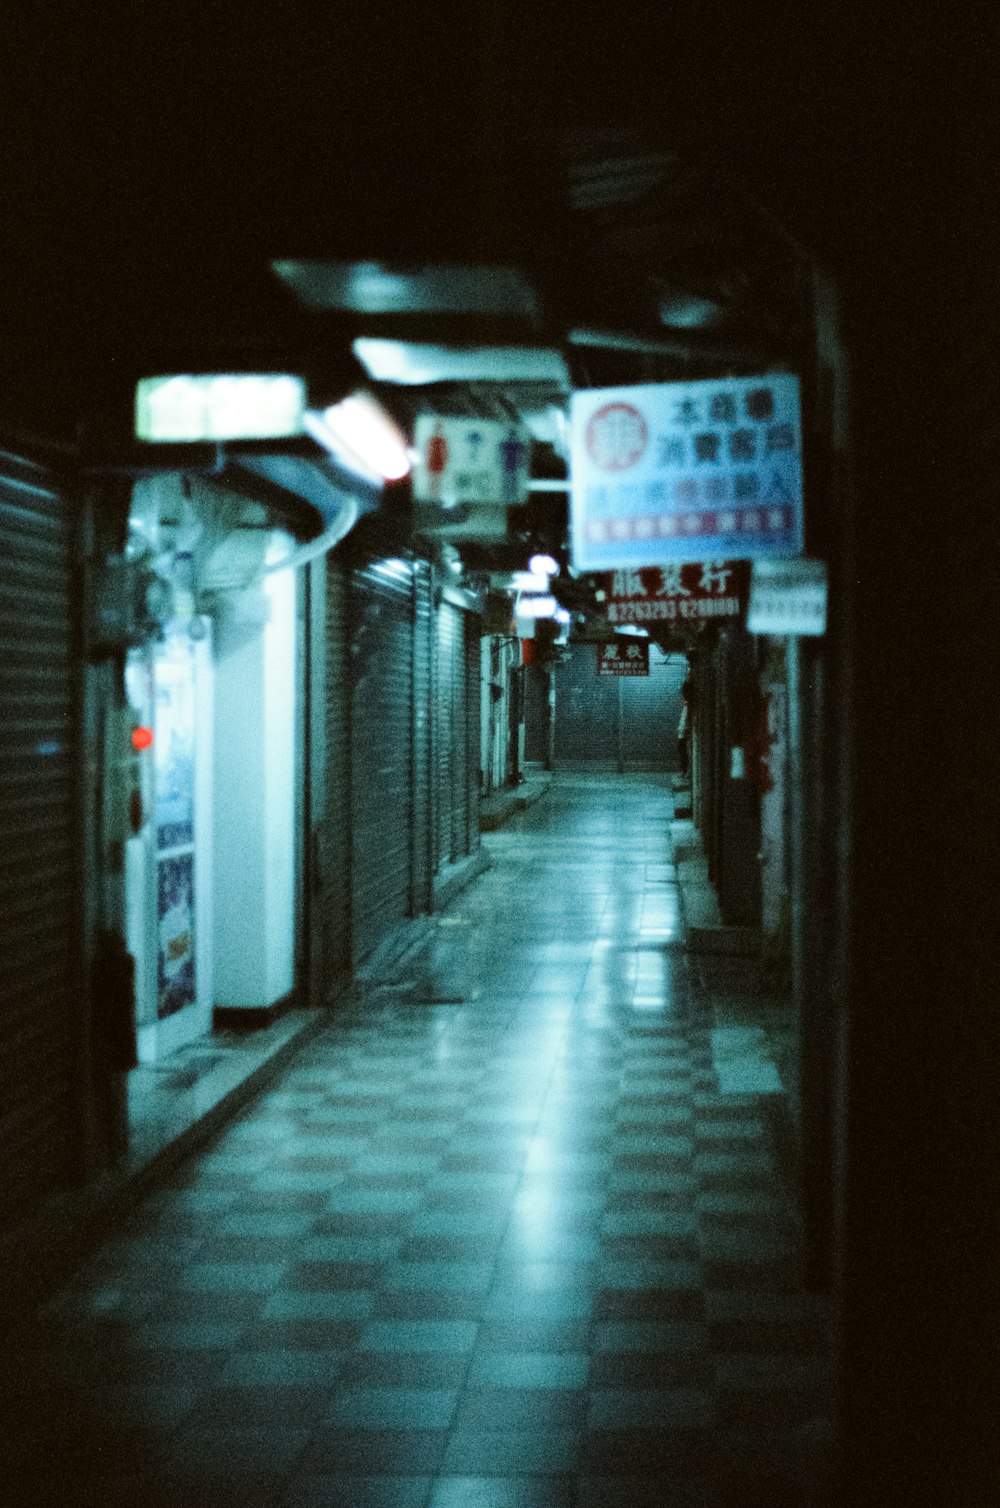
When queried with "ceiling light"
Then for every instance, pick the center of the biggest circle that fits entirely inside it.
(361, 435)
(529, 581)
(416, 363)
(537, 607)
(382, 288)
(688, 311)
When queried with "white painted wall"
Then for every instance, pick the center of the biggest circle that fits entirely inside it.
(254, 880)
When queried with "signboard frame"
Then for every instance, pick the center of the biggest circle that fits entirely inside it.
(686, 471)
(678, 594)
(788, 598)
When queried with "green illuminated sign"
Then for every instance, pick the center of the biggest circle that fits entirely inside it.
(252, 406)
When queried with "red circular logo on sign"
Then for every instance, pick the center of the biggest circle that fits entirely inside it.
(616, 436)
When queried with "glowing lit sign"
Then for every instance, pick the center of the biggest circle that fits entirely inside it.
(241, 406)
(686, 471)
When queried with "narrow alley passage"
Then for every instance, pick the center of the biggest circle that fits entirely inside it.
(496, 1239)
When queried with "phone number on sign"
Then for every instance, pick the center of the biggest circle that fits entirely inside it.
(664, 612)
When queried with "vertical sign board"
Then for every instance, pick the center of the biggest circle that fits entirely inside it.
(686, 471)
(623, 659)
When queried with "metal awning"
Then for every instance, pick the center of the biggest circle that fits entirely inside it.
(310, 497)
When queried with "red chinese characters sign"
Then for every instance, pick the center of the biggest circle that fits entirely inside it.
(708, 591)
(623, 659)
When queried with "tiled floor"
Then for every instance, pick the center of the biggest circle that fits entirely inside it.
(494, 1240)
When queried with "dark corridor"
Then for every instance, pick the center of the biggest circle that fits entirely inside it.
(498, 1238)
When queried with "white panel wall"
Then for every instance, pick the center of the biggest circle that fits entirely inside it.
(254, 881)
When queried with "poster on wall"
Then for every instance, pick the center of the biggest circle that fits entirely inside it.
(686, 471)
(175, 930)
(173, 746)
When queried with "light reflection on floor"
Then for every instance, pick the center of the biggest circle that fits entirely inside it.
(514, 1249)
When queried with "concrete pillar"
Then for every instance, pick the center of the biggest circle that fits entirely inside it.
(254, 880)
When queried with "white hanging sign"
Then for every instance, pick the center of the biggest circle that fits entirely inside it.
(686, 471)
(787, 597)
(470, 461)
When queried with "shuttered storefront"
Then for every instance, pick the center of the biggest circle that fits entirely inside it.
(335, 846)
(586, 731)
(41, 992)
(457, 733)
(450, 696)
(423, 862)
(382, 662)
(651, 710)
(473, 726)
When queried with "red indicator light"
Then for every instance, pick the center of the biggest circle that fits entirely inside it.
(142, 738)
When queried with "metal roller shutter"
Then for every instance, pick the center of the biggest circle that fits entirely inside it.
(41, 885)
(651, 709)
(423, 609)
(381, 749)
(459, 740)
(336, 845)
(586, 710)
(473, 722)
(448, 628)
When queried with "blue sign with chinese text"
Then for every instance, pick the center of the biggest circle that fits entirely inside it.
(686, 471)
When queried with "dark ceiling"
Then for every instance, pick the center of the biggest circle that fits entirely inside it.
(153, 171)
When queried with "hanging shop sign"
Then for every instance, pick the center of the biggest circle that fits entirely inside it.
(623, 659)
(684, 592)
(787, 597)
(219, 406)
(482, 461)
(686, 471)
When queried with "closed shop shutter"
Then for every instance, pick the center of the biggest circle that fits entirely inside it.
(457, 733)
(382, 652)
(586, 711)
(459, 740)
(423, 629)
(336, 838)
(651, 709)
(41, 885)
(473, 722)
(448, 645)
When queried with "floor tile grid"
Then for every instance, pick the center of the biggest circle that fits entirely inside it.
(597, 1337)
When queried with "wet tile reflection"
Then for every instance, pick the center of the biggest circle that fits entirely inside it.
(515, 1249)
